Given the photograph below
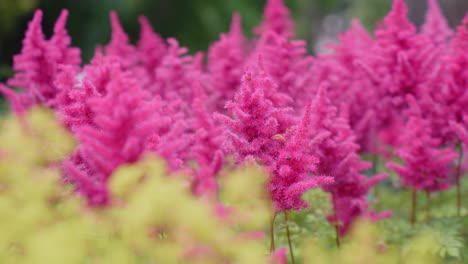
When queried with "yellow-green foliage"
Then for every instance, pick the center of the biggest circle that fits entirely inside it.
(365, 245)
(154, 217)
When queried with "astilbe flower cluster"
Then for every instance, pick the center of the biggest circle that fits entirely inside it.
(226, 59)
(39, 62)
(348, 83)
(427, 165)
(155, 97)
(333, 142)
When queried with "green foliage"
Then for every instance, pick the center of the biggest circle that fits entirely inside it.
(11, 10)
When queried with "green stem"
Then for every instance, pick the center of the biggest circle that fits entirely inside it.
(457, 179)
(428, 207)
(289, 238)
(272, 233)
(413, 207)
(337, 227)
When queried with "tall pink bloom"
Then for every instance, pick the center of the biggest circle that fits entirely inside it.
(341, 69)
(287, 62)
(119, 45)
(276, 18)
(455, 97)
(226, 59)
(257, 118)
(151, 49)
(76, 89)
(400, 64)
(124, 120)
(176, 74)
(206, 149)
(436, 27)
(333, 142)
(426, 164)
(38, 64)
(292, 173)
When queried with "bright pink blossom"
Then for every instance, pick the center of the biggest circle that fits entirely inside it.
(38, 63)
(276, 18)
(436, 27)
(226, 59)
(257, 119)
(287, 62)
(333, 142)
(426, 163)
(124, 120)
(293, 169)
(119, 45)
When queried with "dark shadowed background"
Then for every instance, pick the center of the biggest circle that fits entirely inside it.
(194, 22)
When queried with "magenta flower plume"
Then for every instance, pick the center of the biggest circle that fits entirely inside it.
(151, 49)
(226, 59)
(455, 98)
(173, 76)
(349, 84)
(76, 89)
(206, 149)
(61, 41)
(436, 27)
(119, 45)
(333, 142)
(426, 164)
(287, 62)
(71, 102)
(401, 64)
(38, 64)
(124, 121)
(291, 176)
(276, 18)
(257, 119)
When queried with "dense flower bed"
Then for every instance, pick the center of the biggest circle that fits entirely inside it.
(398, 95)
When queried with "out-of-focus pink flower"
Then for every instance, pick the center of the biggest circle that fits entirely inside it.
(426, 163)
(38, 63)
(276, 18)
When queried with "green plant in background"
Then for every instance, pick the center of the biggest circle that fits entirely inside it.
(11, 10)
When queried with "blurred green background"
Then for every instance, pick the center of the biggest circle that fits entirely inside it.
(195, 23)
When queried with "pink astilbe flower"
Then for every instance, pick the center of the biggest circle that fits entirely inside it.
(76, 89)
(226, 59)
(71, 102)
(455, 97)
(400, 64)
(175, 74)
(151, 49)
(206, 149)
(333, 142)
(38, 64)
(287, 62)
(291, 175)
(61, 41)
(124, 120)
(257, 118)
(174, 137)
(276, 18)
(436, 27)
(119, 45)
(348, 84)
(426, 163)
